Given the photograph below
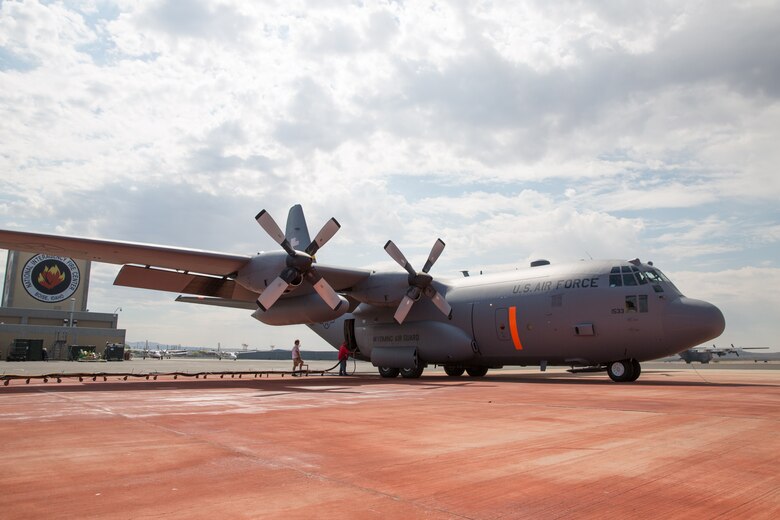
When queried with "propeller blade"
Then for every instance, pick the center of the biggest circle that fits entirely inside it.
(323, 288)
(270, 226)
(272, 293)
(399, 257)
(436, 250)
(439, 301)
(326, 233)
(403, 309)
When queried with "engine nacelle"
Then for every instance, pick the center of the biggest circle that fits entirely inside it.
(261, 271)
(301, 310)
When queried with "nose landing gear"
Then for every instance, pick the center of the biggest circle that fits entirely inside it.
(624, 371)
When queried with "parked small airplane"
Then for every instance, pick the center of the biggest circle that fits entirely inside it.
(715, 354)
(162, 353)
(589, 315)
(224, 354)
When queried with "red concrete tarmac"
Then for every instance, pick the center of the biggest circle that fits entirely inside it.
(510, 445)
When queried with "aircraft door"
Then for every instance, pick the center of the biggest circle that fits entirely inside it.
(349, 335)
(493, 328)
(502, 324)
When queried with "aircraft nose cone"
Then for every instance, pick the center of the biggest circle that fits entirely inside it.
(689, 322)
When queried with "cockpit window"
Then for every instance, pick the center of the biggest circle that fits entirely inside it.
(625, 275)
(639, 276)
(637, 303)
(628, 277)
(614, 277)
(655, 276)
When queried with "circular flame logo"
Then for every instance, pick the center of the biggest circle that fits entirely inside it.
(50, 279)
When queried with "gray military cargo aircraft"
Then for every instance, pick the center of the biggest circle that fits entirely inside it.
(589, 315)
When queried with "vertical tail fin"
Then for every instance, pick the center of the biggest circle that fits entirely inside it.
(297, 233)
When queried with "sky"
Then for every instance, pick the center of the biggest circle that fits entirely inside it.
(511, 130)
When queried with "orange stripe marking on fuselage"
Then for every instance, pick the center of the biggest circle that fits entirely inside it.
(513, 328)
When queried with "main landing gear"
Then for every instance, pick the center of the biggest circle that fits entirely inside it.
(408, 373)
(624, 371)
(414, 373)
(389, 372)
(457, 371)
(454, 370)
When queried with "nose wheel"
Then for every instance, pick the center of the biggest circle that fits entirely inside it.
(624, 371)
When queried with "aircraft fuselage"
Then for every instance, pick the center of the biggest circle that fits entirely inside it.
(588, 313)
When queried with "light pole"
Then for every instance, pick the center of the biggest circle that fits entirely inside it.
(116, 317)
(72, 308)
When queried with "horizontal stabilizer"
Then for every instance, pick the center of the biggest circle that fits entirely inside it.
(172, 281)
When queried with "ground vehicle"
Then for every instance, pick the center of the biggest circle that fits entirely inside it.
(18, 352)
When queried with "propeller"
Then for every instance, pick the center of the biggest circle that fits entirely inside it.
(419, 283)
(300, 264)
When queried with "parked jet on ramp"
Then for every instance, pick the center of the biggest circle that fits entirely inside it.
(590, 315)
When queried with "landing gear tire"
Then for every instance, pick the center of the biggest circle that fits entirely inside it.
(637, 370)
(622, 371)
(412, 373)
(454, 370)
(389, 372)
(477, 371)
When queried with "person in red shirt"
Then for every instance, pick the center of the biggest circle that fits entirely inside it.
(343, 356)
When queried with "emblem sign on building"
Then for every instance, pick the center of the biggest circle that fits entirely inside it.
(50, 279)
(36, 280)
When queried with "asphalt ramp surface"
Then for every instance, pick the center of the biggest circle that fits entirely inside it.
(675, 444)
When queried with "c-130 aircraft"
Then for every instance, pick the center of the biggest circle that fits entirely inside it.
(589, 315)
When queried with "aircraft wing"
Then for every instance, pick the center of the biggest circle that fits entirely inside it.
(116, 252)
(188, 283)
(165, 268)
(343, 279)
